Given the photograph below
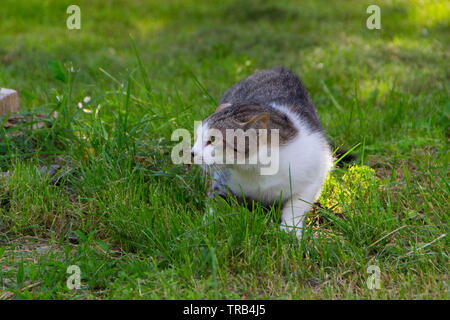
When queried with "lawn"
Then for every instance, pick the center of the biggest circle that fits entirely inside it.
(101, 104)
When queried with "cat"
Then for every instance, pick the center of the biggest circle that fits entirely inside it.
(274, 100)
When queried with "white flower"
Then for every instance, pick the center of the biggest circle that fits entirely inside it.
(80, 105)
(87, 99)
(97, 110)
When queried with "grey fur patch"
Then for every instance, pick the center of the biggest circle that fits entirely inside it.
(275, 86)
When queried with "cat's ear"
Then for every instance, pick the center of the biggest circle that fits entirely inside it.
(257, 121)
(223, 106)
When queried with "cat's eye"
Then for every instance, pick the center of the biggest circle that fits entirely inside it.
(211, 140)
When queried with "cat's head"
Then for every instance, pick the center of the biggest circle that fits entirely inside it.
(237, 133)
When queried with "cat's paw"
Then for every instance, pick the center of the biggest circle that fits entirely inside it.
(208, 215)
(291, 229)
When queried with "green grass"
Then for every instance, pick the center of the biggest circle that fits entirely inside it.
(137, 218)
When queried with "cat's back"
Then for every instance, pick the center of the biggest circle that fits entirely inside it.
(276, 86)
(265, 86)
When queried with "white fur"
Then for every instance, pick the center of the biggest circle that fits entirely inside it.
(304, 164)
(201, 151)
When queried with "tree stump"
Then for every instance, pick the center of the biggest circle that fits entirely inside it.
(9, 101)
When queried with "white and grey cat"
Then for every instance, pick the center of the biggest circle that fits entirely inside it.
(273, 99)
